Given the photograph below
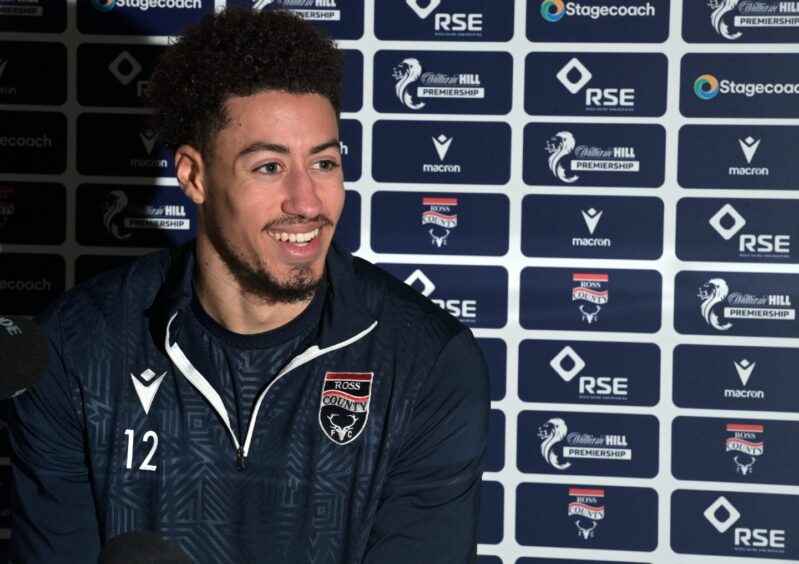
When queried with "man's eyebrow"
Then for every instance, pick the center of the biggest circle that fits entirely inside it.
(283, 150)
(257, 147)
(326, 145)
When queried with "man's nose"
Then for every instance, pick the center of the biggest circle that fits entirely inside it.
(302, 198)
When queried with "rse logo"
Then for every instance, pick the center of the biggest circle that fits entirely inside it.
(459, 22)
(760, 538)
(609, 97)
(458, 308)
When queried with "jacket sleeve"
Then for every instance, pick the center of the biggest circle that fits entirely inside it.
(53, 513)
(429, 505)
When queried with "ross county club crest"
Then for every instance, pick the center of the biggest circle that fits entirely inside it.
(344, 406)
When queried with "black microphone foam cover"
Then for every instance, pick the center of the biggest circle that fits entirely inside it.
(23, 354)
(141, 547)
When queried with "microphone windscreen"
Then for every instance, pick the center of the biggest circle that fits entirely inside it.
(141, 547)
(23, 355)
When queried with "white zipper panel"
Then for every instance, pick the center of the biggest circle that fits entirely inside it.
(308, 355)
(208, 392)
(198, 381)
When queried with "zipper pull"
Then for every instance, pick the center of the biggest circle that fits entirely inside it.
(240, 459)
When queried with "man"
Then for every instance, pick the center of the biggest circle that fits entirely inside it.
(259, 395)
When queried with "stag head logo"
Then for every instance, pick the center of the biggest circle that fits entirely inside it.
(744, 469)
(344, 405)
(586, 533)
(590, 317)
(439, 241)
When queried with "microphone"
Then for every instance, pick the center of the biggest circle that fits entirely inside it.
(23, 355)
(141, 547)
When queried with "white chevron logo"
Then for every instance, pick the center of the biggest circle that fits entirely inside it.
(146, 385)
(148, 138)
(749, 147)
(591, 218)
(442, 143)
(744, 369)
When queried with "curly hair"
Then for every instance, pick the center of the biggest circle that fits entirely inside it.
(237, 52)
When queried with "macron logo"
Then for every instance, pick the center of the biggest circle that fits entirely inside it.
(749, 147)
(744, 369)
(442, 143)
(146, 385)
(591, 218)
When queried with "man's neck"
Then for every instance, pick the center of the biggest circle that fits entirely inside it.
(237, 311)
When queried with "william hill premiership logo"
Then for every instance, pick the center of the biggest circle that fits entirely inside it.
(707, 87)
(555, 10)
(592, 289)
(717, 299)
(563, 147)
(144, 5)
(344, 407)
(730, 17)
(311, 10)
(746, 444)
(440, 214)
(147, 217)
(587, 506)
(413, 84)
(578, 445)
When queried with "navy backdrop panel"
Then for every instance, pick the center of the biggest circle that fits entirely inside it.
(603, 191)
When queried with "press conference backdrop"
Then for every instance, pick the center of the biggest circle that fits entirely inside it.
(603, 190)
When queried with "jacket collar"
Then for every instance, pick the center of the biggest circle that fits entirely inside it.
(344, 314)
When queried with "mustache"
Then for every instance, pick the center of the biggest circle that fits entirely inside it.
(320, 220)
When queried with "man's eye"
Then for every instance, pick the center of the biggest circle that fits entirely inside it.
(269, 168)
(327, 164)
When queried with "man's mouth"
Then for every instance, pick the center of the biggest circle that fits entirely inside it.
(299, 239)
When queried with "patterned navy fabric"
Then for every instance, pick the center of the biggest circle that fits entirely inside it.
(116, 437)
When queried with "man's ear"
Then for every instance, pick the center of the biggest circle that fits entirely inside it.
(191, 173)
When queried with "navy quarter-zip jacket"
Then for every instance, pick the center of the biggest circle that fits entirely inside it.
(366, 447)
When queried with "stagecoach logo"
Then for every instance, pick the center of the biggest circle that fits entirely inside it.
(579, 445)
(585, 505)
(105, 6)
(591, 289)
(442, 218)
(746, 444)
(737, 305)
(312, 10)
(729, 16)
(148, 217)
(433, 84)
(344, 407)
(587, 158)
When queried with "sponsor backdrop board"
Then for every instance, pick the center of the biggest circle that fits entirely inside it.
(603, 191)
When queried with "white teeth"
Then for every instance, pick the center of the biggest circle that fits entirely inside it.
(301, 239)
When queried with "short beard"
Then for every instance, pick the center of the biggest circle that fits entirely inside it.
(254, 279)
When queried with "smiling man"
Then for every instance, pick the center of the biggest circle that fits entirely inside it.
(258, 395)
